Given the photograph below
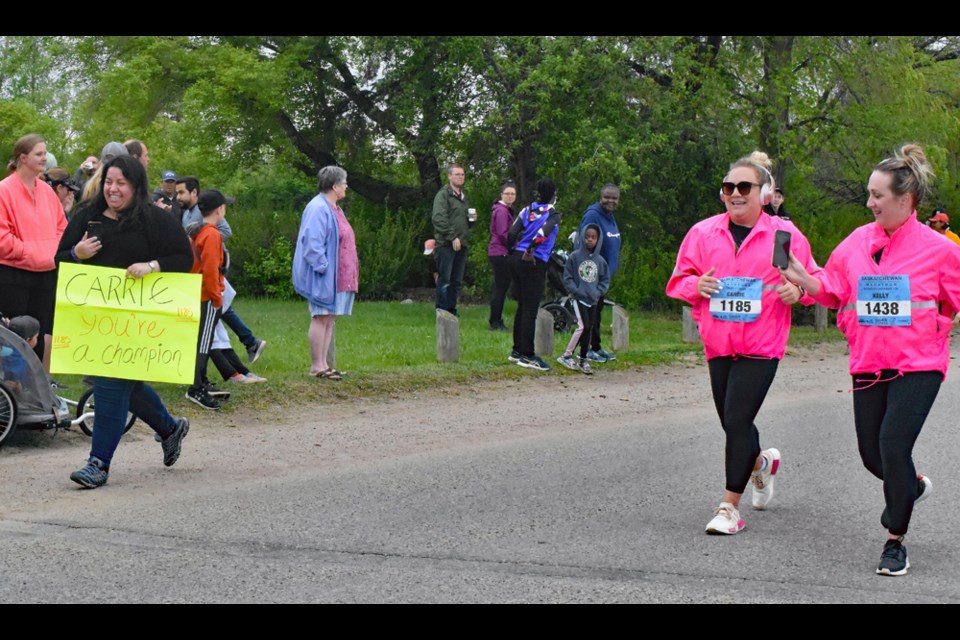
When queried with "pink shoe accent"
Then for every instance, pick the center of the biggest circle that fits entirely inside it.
(774, 467)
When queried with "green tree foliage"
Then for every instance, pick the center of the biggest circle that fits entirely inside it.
(661, 116)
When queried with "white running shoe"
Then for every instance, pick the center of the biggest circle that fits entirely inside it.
(763, 480)
(726, 520)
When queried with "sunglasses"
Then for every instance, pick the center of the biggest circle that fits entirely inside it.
(743, 187)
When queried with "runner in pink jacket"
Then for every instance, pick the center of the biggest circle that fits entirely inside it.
(895, 283)
(742, 306)
(710, 244)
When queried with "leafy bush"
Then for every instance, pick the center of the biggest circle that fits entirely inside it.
(271, 270)
(390, 255)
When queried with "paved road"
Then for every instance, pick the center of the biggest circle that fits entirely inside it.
(510, 494)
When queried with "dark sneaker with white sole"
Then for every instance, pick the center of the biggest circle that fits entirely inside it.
(91, 475)
(254, 350)
(894, 561)
(171, 446)
(215, 391)
(596, 356)
(202, 398)
(534, 362)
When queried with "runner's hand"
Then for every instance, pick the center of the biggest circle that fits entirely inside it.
(707, 285)
(789, 293)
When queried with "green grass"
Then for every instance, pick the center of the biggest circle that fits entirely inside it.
(389, 349)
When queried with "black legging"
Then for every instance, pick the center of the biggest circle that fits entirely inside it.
(502, 277)
(739, 388)
(889, 416)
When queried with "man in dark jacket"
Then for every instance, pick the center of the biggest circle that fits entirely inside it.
(601, 214)
(165, 196)
(451, 230)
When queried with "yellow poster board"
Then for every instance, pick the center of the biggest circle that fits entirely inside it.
(109, 324)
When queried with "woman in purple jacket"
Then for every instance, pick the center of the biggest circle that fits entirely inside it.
(501, 217)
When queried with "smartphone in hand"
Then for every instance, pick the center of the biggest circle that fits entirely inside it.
(781, 249)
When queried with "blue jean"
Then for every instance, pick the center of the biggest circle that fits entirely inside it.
(232, 320)
(450, 267)
(113, 398)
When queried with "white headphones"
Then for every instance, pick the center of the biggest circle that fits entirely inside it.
(766, 191)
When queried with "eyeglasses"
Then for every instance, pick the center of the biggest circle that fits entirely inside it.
(742, 187)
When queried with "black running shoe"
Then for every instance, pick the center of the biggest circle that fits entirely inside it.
(171, 446)
(893, 561)
(202, 398)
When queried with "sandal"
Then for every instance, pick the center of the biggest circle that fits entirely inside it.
(330, 374)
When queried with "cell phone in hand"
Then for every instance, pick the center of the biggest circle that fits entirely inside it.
(94, 229)
(781, 249)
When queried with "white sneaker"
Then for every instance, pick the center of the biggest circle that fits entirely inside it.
(254, 378)
(239, 378)
(762, 481)
(726, 520)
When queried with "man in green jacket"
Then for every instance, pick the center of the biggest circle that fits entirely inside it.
(451, 230)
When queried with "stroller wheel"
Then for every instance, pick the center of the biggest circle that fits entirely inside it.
(85, 407)
(563, 320)
(8, 414)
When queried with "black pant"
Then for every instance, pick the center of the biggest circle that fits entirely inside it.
(502, 277)
(586, 317)
(450, 267)
(227, 363)
(209, 317)
(889, 416)
(739, 389)
(29, 293)
(530, 276)
(595, 336)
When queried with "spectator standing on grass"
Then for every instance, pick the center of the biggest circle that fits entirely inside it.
(451, 230)
(501, 217)
(31, 224)
(587, 278)
(600, 213)
(326, 270)
(532, 235)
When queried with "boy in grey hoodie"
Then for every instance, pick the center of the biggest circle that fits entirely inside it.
(587, 279)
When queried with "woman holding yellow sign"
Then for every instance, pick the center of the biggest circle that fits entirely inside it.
(742, 306)
(123, 229)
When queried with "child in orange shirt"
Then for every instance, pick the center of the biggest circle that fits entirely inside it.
(210, 259)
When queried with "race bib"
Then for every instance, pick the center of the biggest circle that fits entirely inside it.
(884, 301)
(738, 300)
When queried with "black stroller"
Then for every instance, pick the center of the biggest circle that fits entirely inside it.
(561, 306)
